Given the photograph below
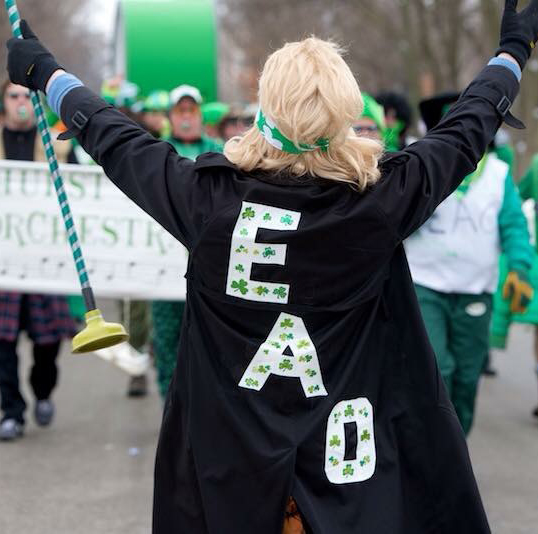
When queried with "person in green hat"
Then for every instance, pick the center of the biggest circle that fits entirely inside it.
(154, 113)
(503, 316)
(371, 123)
(454, 260)
(212, 115)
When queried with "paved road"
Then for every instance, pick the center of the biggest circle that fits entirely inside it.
(91, 473)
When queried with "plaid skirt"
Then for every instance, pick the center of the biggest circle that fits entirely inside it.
(45, 318)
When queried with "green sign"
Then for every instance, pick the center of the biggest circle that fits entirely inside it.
(160, 44)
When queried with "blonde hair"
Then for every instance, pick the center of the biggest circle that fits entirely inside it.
(310, 93)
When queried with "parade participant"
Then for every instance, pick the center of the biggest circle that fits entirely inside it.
(454, 260)
(503, 316)
(45, 318)
(189, 141)
(154, 114)
(212, 115)
(371, 123)
(304, 368)
(398, 119)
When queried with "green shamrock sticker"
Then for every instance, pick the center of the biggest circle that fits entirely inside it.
(311, 373)
(268, 252)
(365, 436)
(275, 344)
(256, 252)
(349, 411)
(303, 344)
(348, 470)
(286, 220)
(306, 358)
(249, 213)
(240, 268)
(242, 249)
(333, 461)
(286, 323)
(261, 369)
(280, 292)
(311, 389)
(285, 365)
(364, 461)
(286, 337)
(240, 286)
(337, 417)
(335, 441)
(267, 217)
(244, 231)
(261, 291)
(251, 382)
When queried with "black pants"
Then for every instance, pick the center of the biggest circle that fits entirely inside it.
(43, 377)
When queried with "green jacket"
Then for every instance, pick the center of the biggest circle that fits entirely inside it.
(502, 316)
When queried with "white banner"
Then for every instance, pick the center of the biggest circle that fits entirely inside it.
(127, 253)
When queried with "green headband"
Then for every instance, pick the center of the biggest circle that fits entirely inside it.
(276, 138)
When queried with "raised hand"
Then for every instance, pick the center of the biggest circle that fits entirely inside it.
(519, 31)
(29, 63)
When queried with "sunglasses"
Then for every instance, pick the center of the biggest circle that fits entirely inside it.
(14, 95)
(370, 129)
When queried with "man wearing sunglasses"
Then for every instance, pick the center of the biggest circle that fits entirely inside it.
(45, 318)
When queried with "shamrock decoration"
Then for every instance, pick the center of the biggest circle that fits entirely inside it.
(244, 231)
(261, 291)
(365, 436)
(311, 389)
(363, 411)
(240, 286)
(306, 358)
(285, 337)
(280, 292)
(337, 417)
(364, 461)
(275, 344)
(266, 351)
(348, 470)
(335, 441)
(268, 252)
(286, 323)
(303, 344)
(286, 220)
(349, 411)
(242, 249)
(267, 217)
(333, 461)
(240, 268)
(251, 382)
(255, 252)
(249, 213)
(311, 373)
(285, 364)
(262, 369)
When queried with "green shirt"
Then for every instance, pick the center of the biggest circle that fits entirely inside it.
(193, 150)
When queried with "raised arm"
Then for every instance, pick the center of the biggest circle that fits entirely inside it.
(148, 171)
(416, 180)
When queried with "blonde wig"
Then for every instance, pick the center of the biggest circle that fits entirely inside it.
(310, 93)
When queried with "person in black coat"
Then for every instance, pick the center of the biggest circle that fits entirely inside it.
(304, 368)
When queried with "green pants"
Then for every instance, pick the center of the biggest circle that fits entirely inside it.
(135, 315)
(458, 328)
(167, 317)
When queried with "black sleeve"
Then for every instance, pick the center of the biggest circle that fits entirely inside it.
(148, 171)
(415, 181)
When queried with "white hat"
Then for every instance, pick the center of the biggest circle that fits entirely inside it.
(183, 91)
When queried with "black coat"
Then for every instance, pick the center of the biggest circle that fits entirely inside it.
(229, 455)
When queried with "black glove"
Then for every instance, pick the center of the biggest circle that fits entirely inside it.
(29, 63)
(519, 31)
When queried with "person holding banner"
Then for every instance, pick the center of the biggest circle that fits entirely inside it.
(45, 318)
(304, 367)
